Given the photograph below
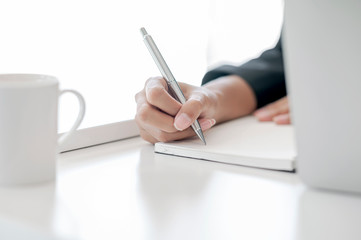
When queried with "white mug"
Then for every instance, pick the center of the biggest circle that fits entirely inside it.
(28, 127)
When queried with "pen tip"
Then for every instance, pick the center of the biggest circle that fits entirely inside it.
(201, 136)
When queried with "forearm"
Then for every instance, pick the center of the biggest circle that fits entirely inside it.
(234, 97)
(264, 74)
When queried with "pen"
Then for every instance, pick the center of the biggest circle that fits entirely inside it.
(173, 86)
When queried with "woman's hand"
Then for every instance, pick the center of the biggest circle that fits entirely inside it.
(278, 111)
(162, 118)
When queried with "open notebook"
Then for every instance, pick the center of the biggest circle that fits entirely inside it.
(243, 141)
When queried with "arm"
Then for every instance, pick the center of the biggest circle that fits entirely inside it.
(266, 77)
(234, 97)
(264, 74)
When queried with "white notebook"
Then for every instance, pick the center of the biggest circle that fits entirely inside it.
(244, 141)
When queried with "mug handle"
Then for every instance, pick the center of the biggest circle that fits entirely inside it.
(79, 119)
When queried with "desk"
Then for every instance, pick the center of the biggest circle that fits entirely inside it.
(122, 190)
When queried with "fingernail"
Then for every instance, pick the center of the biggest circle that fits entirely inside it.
(182, 122)
(263, 115)
(281, 119)
(207, 124)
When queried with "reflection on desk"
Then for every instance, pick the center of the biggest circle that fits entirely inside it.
(123, 190)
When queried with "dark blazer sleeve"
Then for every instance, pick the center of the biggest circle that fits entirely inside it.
(264, 74)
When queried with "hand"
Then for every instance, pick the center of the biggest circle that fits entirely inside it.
(278, 111)
(162, 118)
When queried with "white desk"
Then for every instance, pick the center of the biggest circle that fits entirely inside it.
(123, 190)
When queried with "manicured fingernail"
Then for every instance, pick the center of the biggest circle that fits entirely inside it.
(281, 119)
(207, 124)
(263, 115)
(182, 122)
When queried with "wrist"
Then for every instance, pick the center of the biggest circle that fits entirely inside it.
(214, 104)
(233, 96)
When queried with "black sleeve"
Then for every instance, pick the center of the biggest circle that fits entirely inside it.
(264, 74)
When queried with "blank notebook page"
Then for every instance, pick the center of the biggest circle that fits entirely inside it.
(244, 141)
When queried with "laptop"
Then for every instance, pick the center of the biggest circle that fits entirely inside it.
(322, 48)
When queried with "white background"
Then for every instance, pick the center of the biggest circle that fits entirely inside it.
(96, 48)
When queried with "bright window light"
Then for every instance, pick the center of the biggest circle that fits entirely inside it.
(96, 48)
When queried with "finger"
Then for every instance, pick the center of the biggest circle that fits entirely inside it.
(140, 99)
(156, 91)
(146, 136)
(162, 136)
(206, 123)
(268, 112)
(189, 112)
(282, 119)
(147, 115)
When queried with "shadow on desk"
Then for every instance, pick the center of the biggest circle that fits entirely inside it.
(168, 191)
(196, 197)
(211, 166)
(172, 173)
(159, 175)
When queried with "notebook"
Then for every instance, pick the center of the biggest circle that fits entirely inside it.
(244, 141)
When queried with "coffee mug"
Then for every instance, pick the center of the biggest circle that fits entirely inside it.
(28, 127)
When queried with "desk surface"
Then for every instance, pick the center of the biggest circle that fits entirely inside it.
(122, 190)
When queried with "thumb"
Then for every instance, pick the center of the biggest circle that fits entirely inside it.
(188, 114)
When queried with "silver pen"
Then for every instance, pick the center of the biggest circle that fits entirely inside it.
(173, 86)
